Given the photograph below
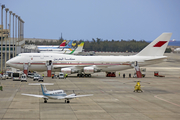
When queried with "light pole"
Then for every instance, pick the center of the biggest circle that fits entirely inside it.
(18, 30)
(10, 34)
(2, 6)
(13, 33)
(6, 38)
(22, 29)
(16, 36)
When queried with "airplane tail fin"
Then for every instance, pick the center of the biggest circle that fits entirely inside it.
(73, 44)
(78, 49)
(63, 44)
(69, 45)
(156, 47)
(43, 89)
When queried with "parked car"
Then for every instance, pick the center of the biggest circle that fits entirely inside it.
(23, 78)
(41, 79)
(36, 77)
(61, 75)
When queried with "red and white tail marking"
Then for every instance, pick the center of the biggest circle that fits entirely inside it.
(156, 47)
(160, 43)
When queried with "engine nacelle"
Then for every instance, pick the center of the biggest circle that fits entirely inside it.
(89, 70)
(66, 70)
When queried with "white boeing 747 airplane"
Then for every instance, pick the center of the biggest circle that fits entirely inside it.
(86, 65)
(56, 94)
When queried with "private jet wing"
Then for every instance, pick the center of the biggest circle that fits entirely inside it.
(39, 96)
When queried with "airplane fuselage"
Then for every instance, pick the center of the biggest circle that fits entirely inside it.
(38, 61)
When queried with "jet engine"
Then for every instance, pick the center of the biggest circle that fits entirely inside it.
(90, 70)
(68, 71)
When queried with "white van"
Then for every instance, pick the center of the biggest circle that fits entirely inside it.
(61, 75)
(23, 78)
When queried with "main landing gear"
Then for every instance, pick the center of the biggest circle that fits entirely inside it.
(83, 75)
(67, 101)
(45, 100)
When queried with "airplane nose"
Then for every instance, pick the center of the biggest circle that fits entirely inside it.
(8, 62)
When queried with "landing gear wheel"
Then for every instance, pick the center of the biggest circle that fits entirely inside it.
(68, 101)
(45, 100)
(83, 75)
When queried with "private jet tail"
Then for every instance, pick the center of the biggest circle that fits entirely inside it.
(157, 47)
(78, 49)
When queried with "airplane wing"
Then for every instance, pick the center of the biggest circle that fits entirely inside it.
(76, 96)
(59, 98)
(39, 96)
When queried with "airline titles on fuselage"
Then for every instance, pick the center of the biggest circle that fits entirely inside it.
(59, 59)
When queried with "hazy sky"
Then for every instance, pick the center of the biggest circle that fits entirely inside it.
(105, 19)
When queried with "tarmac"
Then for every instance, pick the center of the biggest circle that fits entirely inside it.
(113, 97)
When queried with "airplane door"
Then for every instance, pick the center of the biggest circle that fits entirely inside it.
(42, 56)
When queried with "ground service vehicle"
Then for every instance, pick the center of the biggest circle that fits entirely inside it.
(16, 76)
(36, 77)
(41, 79)
(23, 78)
(31, 75)
(5, 75)
(61, 75)
(9, 74)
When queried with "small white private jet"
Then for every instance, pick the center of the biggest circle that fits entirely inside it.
(55, 94)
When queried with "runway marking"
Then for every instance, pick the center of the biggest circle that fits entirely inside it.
(156, 96)
(102, 91)
(12, 96)
(177, 68)
(134, 99)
